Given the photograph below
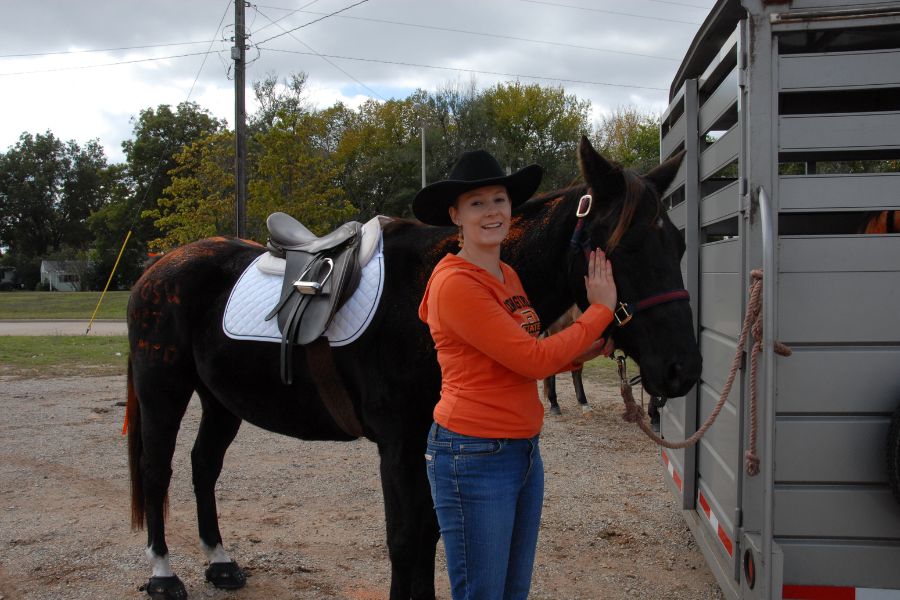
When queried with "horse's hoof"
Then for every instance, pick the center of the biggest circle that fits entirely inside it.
(554, 410)
(166, 588)
(226, 576)
(586, 408)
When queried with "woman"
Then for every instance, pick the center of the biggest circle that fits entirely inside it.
(483, 459)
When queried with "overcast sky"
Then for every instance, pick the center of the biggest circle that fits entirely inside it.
(84, 69)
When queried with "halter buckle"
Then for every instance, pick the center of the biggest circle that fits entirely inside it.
(623, 314)
(584, 206)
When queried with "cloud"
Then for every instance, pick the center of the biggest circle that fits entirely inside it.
(390, 47)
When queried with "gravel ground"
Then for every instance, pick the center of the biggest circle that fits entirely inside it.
(306, 518)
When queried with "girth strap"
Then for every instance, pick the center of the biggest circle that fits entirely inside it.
(330, 387)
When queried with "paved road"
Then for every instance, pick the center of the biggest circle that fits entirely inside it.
(61, 327)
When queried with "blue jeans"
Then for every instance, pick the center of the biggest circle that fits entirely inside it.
(487, 494)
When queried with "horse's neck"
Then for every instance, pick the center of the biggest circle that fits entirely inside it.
(538, 248)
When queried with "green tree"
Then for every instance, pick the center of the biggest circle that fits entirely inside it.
(200, 200)
(48, 189)
(538, 124)
(630, 137)
(109, 226)
(277, 103)
(380, 156)
(295, 173)
(519, 124)
(158, 135)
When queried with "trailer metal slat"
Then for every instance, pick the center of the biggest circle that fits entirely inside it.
(839, 307)
(839, 192)
(843, 449)
(839, 70)
(845, 511)
(839, 132)
(861, 380)
(720, 102)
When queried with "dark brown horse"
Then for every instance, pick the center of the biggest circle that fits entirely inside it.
(391, 373)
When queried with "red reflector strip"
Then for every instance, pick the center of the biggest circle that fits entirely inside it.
(710, 515)
(817, 592)
(671, 469)
(714, 523)
(828, 592)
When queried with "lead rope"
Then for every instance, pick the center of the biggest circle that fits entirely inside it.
(634, 412)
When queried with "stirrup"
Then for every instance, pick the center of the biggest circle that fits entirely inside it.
(313, 287)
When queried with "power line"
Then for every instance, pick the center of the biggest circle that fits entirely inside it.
(63, 52)
(282, 18)
(311, 22)
(480, 72)
(496, 36)
(610, 12)
(112, 64)
(322, 56)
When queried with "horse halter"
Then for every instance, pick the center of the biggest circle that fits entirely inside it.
(625, 310)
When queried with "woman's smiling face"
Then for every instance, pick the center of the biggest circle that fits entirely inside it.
(484, 215)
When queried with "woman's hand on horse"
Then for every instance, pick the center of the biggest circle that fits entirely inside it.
(600, 285)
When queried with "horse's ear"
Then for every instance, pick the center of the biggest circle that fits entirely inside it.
(662, 175)
(604, 177)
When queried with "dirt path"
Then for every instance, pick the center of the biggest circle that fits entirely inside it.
(306, 519)
(62, 327)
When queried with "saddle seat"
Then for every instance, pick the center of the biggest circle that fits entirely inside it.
(287, 232)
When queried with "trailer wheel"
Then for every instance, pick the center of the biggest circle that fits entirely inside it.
(893, 454)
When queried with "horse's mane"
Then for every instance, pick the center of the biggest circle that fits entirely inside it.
(635, 188)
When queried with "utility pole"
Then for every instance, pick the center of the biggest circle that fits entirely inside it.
(238, 53)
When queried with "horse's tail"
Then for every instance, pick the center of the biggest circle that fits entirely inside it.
(135, 448)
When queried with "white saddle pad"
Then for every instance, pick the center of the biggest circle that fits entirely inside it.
(256, 293)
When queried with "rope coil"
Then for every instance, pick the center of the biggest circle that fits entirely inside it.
(634, 412)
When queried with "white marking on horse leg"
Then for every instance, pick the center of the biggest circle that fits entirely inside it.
(160, 564)
(217, 554)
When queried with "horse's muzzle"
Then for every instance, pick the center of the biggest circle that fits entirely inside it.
(673, 377)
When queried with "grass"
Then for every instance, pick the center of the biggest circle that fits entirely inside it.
(605, 369)
(62, 355)
(62, 305)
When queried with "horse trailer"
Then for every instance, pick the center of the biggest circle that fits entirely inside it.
(789, 114)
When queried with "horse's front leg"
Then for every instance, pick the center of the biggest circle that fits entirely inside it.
(412, 530)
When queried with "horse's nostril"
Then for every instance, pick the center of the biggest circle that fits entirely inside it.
(675, 370)
(675, 377)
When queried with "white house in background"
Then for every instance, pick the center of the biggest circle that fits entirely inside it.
(63, 275)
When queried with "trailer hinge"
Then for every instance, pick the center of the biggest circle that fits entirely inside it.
(742, 186)
(742, 70)
(738, 518)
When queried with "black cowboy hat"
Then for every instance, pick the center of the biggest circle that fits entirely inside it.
(473, 170)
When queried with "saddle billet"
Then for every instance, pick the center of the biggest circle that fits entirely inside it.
(320, 274)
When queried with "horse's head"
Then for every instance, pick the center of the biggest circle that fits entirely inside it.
(628, 221)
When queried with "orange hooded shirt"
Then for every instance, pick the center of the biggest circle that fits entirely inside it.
(486, 336)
